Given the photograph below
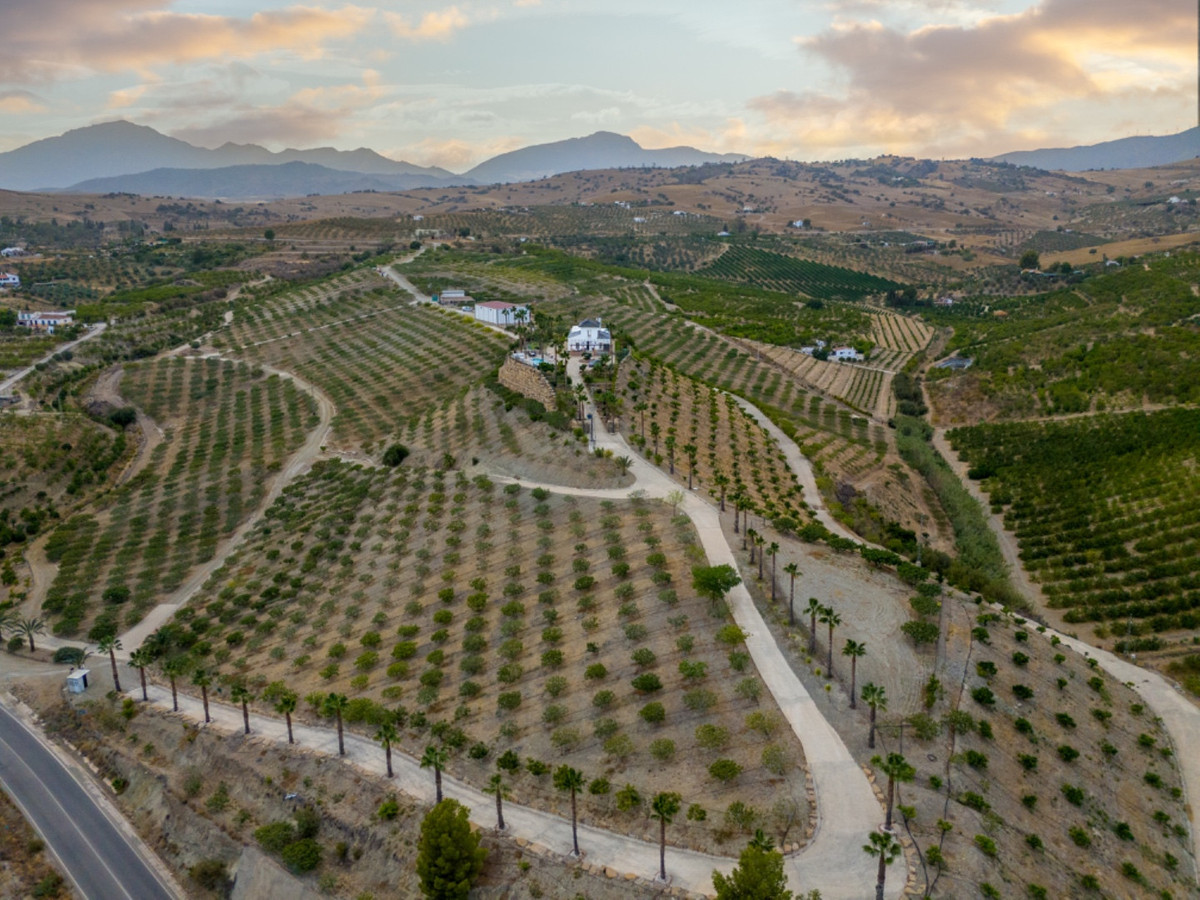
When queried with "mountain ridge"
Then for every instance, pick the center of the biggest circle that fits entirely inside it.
(1138, 152)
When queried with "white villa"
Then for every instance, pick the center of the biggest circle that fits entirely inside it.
(845, 354)
(589, 336)
(46, 321)
(10, 279)
(497, 312)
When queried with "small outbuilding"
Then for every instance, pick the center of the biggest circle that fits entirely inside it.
(77, 681)
(497, 312)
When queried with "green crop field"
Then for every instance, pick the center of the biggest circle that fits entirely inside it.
(1107, 513)
(227, 428)
(791, 275)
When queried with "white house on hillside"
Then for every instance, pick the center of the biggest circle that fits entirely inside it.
(845, 354)
(497, 312)
(46, 321)
(589, 336)
(10, 279)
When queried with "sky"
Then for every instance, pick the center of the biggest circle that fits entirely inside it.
(452, 84)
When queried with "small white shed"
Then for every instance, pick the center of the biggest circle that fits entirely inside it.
(77, 681)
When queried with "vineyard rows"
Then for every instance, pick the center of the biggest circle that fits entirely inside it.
(892, 332)
(228, 427)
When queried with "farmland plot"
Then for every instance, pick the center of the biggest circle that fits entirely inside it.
(789, 274)
(382, 364)
(500, 620)
(228, 427)
(1106, 513)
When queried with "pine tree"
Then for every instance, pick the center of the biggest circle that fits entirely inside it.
(449, 857)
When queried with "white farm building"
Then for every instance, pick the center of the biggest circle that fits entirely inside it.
(589, 336)
(497, 312)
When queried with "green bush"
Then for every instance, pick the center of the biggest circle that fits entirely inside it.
(724, 770)
(274, 836)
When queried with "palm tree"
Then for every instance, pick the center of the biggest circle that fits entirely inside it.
(202, 680)
(721, 480)
(655, 431)
(140, 659)
(664, 807)
(28, 628)
(496, 786)
(887, 849)
(854, 649)
(387, 735)
(335, 703)
(670, 445)
(773, 551)
(286, 704)
(813, 609)
(435, 758)
(793, 570)
(690, 451)
(876, 698)
(832, 619)
(173, 668)
(111, 645)
(568, 779)
(748, 537)
(896, 768)
(738, 499)
(641, 408)
(239, 693)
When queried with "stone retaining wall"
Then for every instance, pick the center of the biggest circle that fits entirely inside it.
(527, 380)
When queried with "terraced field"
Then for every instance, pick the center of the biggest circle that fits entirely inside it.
(702, 436)
(228, 427)
(1106, 513)
(503, 619)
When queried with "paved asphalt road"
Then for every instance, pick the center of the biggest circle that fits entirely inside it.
(96, 855)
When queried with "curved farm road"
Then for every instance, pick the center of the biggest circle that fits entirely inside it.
(7, 384)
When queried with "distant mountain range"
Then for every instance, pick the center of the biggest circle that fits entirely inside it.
(1125, 153)
(602, 150)
(121, 157)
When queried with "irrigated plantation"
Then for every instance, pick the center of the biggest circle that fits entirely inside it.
(384, 362)
(790, 275)
(228, 428)
(706, 440)
(1106, 513)
(507, 625)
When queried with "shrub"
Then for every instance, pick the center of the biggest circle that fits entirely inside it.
(724, 770)
(1067, 753)
(699, 699)
(599, 787)
(986, 845)
(509, 700)
(775, 759)
(1020, 659)
(731, 635)
(693, 669)
(975, 759)
(1028, 761)
(1022, 692)
(921, 633)
(394, 455)
(619, 745)
(985, 668)
(1064, 719)
(712, 737)
(1075, 795)
(654, 713)
(274, 836)
(595, 671)
(603, 699)
(554, 714)
(644, 656)
(974, 801)
(628, 798)
(1079, 836)
(662, 749)
(605, 728)
(983, 696)
(647, 683)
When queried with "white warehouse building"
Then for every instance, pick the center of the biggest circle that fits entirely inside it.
(497, 312)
